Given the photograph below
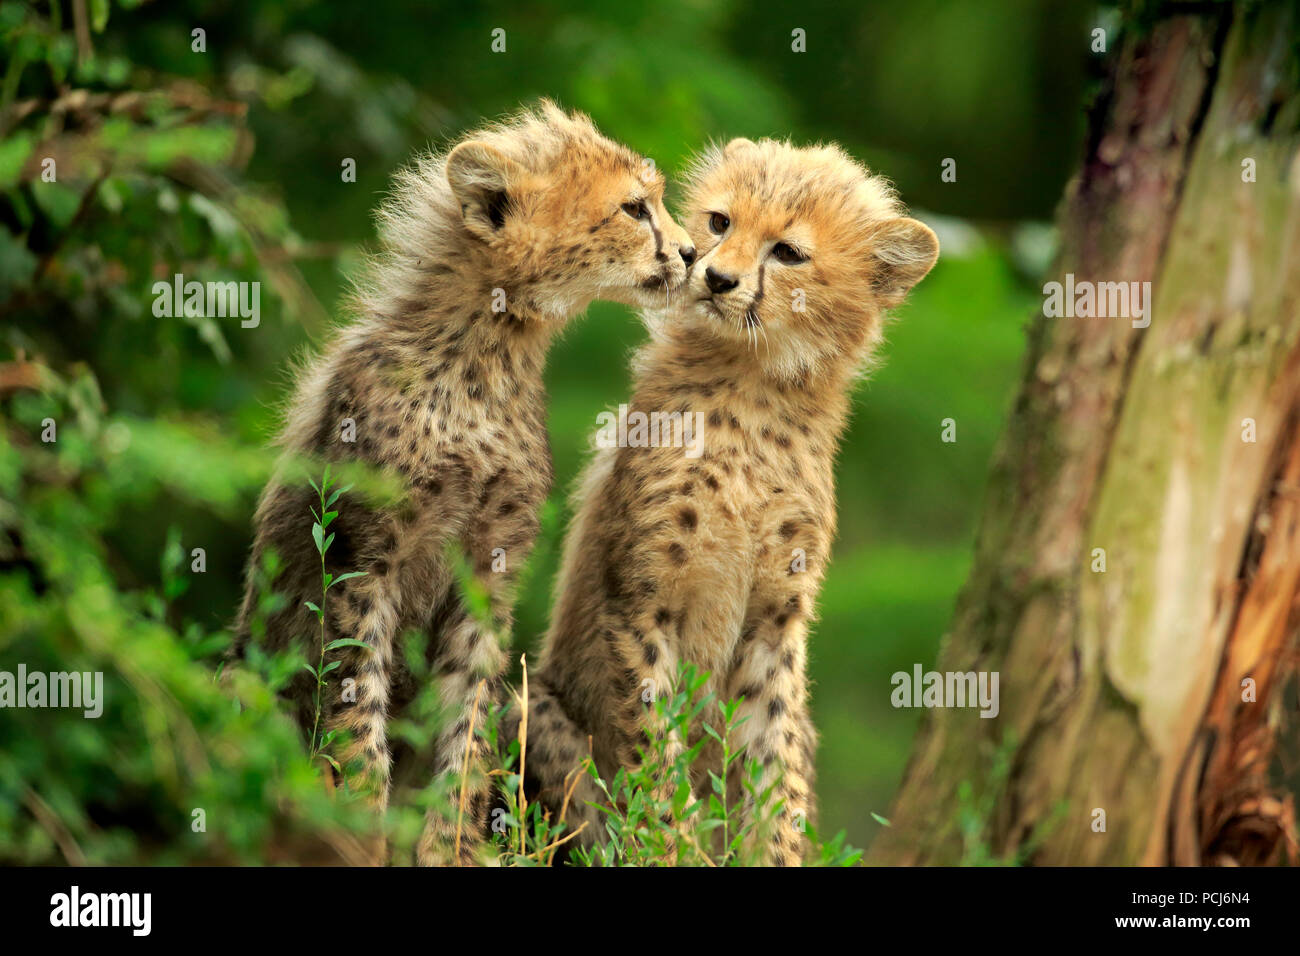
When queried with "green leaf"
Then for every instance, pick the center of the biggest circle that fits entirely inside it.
(349, 574)
(14, 151)
(59, 202)
(158, 148)
(345, 642)
(98, 15)
(17, 264)
(317, 535)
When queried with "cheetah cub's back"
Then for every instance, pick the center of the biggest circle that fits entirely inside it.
(715, 558)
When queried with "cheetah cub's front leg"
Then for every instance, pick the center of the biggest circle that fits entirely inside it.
(775, 731)
(366, 610)
(469, 665)
(555, 768)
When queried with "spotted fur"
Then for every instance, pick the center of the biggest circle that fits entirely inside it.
(717, 561)
(540, 214)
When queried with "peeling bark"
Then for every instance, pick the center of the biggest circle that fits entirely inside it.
(1121, 690)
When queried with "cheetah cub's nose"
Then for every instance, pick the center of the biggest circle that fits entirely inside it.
(719, 282)
(688, 255)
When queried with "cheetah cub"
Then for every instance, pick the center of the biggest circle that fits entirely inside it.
(487, 250)
(715, 559)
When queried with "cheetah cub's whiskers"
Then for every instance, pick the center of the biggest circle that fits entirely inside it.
(717, 561)
(487, 250)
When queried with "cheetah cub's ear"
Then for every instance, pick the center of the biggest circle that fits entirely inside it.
(902, 252)
(481, 177)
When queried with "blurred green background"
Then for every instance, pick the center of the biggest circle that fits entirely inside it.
(187, 182)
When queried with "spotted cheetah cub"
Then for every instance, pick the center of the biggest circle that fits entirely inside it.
(717, 560)
(487, 251)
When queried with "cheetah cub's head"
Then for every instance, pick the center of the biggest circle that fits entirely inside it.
(800, 251)
(566, 215)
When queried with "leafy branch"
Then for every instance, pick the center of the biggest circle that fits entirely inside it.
(324, 518)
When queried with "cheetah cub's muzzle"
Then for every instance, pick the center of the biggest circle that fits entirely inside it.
(674, 254)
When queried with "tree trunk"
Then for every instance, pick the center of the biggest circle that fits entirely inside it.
(1122, 690)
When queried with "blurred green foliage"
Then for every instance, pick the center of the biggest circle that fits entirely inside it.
(225, 165)
(172, 771)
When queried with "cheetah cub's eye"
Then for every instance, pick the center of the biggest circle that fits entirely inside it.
(637, 210)
(718, 223)
(788, 254)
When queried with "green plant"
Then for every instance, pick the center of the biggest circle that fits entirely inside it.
(172, 772)
(324, 518)
(975, 813)
(652, 814)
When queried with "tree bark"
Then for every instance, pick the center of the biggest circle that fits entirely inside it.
(1122, 690)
